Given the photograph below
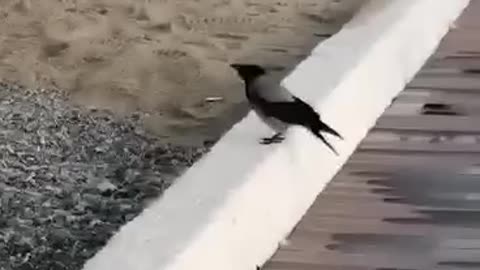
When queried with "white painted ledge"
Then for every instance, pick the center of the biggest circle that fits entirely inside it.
(231, 209)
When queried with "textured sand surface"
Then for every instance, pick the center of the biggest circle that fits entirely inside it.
(164, 58)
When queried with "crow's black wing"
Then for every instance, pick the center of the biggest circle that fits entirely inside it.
(295, 112)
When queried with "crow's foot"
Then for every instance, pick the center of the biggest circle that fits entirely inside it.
(277, 138)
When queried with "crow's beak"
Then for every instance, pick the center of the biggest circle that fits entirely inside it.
(236, 66)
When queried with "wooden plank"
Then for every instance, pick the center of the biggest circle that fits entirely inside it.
(460, 98)
(367, 160)
(430, 123)
(460, 62)
(310, 266)
(447, 82)
(331, 225)
(382, 261)
(461, 39)
(418, 147)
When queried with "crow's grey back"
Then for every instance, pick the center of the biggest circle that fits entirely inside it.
(270, 90)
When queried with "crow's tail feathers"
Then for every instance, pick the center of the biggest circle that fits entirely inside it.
(324, 127)
(319, 127)
(320, 136)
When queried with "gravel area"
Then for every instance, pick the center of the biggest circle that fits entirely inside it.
(70, 177)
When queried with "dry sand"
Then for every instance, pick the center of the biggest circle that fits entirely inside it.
(161, 57)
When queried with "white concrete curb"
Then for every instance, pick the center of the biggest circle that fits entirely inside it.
(231, 209)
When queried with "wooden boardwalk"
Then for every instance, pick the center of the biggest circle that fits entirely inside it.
(409, 197)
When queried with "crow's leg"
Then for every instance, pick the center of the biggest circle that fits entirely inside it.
(277, 138)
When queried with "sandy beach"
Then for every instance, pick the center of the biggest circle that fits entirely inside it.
(164, 58)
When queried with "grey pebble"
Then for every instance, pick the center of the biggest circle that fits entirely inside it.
(69, 177)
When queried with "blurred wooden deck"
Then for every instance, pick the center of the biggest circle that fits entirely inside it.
(409, 198)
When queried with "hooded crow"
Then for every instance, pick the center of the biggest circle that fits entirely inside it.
(279, 108)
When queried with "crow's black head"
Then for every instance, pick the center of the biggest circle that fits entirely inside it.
(248, 72)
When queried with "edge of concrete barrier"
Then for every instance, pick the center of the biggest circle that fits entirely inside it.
(235, 205)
